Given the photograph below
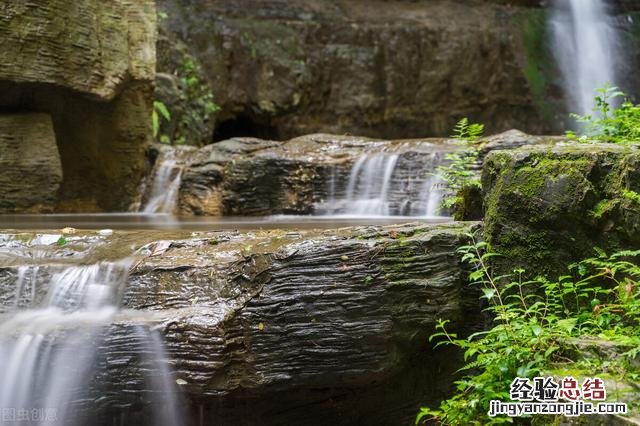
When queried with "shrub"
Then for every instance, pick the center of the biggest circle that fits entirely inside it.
(535, 328)
(609, 123)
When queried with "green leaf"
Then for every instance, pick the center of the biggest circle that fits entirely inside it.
(488, 293)
(162, 109)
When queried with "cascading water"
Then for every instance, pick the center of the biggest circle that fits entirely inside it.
(49, 354)
(585, 47)
(386, 184)
(167, 177)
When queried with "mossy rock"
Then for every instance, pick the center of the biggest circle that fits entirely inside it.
(546, 206)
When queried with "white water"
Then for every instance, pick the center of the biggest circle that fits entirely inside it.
(586, 47)
(385, 185)
(48, 355)
(167, 178)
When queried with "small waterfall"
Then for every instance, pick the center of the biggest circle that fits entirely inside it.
(49, 355)
(586, 47)
(386, 184)
(167, 177)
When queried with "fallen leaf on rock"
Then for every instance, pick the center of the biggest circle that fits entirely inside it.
(160, 247)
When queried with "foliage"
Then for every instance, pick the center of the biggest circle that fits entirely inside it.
(200, 104)
(192, 113)
(535, 328)
(159, 110)
(609, 123)
(458, 173)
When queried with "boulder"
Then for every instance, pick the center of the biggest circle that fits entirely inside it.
(547, 206)
(30, 168)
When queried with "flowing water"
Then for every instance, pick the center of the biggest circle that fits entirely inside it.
(586, 47)
(167, 176)
(49, 349)
(386, 184)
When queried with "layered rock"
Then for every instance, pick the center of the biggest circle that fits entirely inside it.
(30, 169)
(546, 206)
(91, 66)
(302, 327)
(247, 176)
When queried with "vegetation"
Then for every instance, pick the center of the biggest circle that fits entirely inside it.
(190, 118)
(609, 122)
(159, 111)
(537, 329)
(458, 173)
(201, 106)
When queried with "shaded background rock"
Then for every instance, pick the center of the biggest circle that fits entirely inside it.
(90, 65)
(375, 68)
(30, 169)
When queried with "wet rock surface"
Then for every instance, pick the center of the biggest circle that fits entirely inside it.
(312, 174)
(254, 177)
(275, 327)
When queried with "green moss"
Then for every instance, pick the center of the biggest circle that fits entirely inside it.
(631, 195)
(545, 206)
(601, 208)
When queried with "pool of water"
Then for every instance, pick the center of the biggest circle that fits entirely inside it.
(166, 221)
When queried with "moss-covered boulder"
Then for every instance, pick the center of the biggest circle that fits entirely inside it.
(546, 206)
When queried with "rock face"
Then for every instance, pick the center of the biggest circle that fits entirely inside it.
(375, 68)
(273, 327)
(546, 206)
(90, 65)
(99, 52)
(30, 169)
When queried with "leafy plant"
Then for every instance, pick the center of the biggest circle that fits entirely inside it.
(159, 110)
(457, 173)
(609, 123)
(200, 104)
(536, 325)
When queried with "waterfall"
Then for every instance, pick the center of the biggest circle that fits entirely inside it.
(386, 184)
(49, 354)
(165, 187)
(585, 47)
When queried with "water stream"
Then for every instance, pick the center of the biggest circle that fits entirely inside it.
(165, 186)
(386, 184)
(586, 47)
(49, 350)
